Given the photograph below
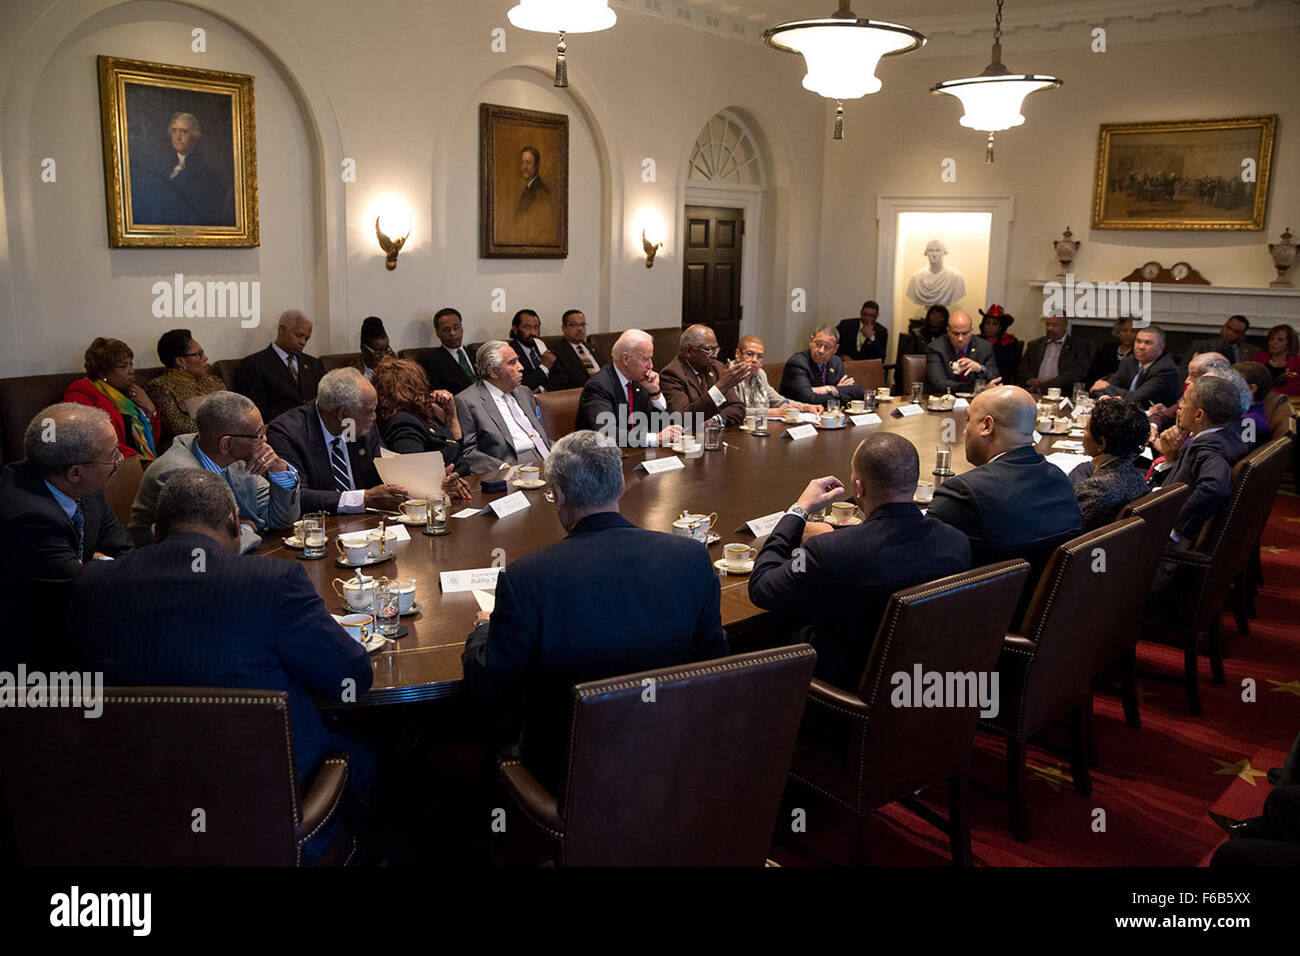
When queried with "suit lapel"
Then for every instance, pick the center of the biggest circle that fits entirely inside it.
(494, 415)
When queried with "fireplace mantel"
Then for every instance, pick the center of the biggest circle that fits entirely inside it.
(1203, 308)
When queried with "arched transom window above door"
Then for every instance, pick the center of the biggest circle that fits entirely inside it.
(724, 152)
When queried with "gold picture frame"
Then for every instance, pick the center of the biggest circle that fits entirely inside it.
(523, 209)
(1183, 175)
(180, 155)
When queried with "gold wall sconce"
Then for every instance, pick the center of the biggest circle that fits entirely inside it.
(391, 247)
(650, 249)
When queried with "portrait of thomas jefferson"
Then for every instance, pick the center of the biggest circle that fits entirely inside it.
(173, 184)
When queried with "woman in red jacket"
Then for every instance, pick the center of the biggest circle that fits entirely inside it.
(1282, 359)
(110, 385)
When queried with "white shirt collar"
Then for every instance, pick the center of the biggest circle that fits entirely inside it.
(324, 430)
(622, 379)
(284, 356)
(495, 392)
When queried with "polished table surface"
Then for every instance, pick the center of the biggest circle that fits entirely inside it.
(750, 477)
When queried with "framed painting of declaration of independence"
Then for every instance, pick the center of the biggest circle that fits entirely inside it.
(1192, 174)
(180, 155)
(523, 184)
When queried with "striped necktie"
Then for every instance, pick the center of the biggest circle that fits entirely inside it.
(522, 421)
(79, 522)
(339, 465)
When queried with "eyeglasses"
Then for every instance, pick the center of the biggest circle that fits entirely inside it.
(750, 353)
(259, 436)
(199, 354)
(115, 462)
(386, 350)
(707, 349)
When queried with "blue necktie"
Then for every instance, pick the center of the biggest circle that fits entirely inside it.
(823, 369)
(339, 465)
(1134, 384)
(79, 522)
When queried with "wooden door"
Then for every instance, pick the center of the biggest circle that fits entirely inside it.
(711, 281)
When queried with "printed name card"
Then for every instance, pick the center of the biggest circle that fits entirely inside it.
(764, 525)
(960, 403)
(654, 466)
(475, 579)
(1068, 445)
(800, 431)
(907, 411)
(870, 418)
(508, 505)
(1037, 437)
(467, 513)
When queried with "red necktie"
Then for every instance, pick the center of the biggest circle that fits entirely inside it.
(629, 396)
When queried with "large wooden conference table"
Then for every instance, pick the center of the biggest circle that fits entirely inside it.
(748, 478)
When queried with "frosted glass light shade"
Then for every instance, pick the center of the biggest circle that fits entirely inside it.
(992, 103)
(842, 55)
(562, 16)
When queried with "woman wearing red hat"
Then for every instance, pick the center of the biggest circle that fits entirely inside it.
(1006, 347)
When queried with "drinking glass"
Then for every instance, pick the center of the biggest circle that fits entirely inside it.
(832, 403)
(435, 515)
(387, 607)
(1080, 392)
(712, 435)
(924, 493)
(313, 536)
(760, 423)
(917, 387)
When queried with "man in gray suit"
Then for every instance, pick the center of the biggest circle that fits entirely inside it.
(230, 442)
(498, 416)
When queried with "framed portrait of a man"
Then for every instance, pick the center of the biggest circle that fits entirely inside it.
(1188, 174)
(180, 155)
(523, 183)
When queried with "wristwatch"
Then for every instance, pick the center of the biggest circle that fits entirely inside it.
(797, 509)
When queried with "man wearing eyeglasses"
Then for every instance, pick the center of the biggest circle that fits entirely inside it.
(54, 518)
(697, 383)
(230, 442)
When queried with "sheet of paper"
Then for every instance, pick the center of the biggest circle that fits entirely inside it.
(655, 466)
(870, 418)
(1066, 461)
(421, 474)
(800, 431)
(397, 531)
(510, 504)
(907, 411)
(1068, 445)
(386, 453)
(487, 600)
(475, 579)
(764, 525)
(468, 512)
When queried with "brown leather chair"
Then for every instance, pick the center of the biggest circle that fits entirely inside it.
(913, 370)
(559, 411)
(1046, 670)
(126, 785)
(1159, 510)
(122, 487)
(701, 785)
(868, 373)
(417, 355)
(225, 368)
(338, 360)
(1205, 573)
(774, 372)
(862, 753)
(20, 399)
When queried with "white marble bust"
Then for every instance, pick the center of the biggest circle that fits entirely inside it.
(936, 284)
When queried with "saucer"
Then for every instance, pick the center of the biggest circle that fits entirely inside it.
(343, 562)
(293, 541)
(680, 449)
(855, 520)
(721, 565)
(832, 428)
(406, 520)
(520, 483)
(889, 399)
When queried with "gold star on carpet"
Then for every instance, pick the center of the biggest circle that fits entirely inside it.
(1291, 687)
(1240, 769)
(1054, 776)
(1271, 549)
(1292, 520)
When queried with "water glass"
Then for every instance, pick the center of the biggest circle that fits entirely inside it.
(313, 536)
(916, 392)
(832, 403)
(712, 435)
(435, 515)
(387, 607)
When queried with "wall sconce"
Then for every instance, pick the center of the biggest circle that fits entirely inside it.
(650, 249)
(386, 224)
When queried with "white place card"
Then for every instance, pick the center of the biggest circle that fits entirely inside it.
(475, 579)
(907, 411)
(655, 466)
(508, 505)
(1067, 445)
(960, 403)
(1067, 462)
(870, 418)
(1037, 437)
(800, 431)
(487, 600)
(468, 512)
(764, 525)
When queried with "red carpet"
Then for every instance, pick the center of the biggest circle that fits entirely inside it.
(1154, 783)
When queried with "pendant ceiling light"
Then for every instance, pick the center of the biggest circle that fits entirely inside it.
(562, 17)
(992, 99)
(841, 53)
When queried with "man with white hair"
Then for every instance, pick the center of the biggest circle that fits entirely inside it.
(281, 376)
(580, 610)
(230, 443)
(53, 519)
(499, 418)
(624, 397)
(333, 444)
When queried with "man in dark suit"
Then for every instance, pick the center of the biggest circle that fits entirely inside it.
(696, 383)
(972, 354)
(1013, 498)
(54, 520)
(1230, 342)
(1057, 360)
(1202, 448)
(1106, 359)
(332, 444)
(624, 400)
(540, 640)
(864, 337)
(499, 419)
(449, 366)
(534, 359)
(817, 373)
(188, 611)
(576, 359)
(281, 376)
(896, 547)
(1147, 376)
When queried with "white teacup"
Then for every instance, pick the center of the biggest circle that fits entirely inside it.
(1061, 423)
(405, 594)
(1045, 423)
(1054, 394)
(415, 509)
(749, 422)
(882, 393)
(935, 402)
(358, 626)
(830, 419)
(738, 555)
(354, 547)
(857, 407)
(530, 474)
(842, 511)
(695, 526)
(790, 414)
